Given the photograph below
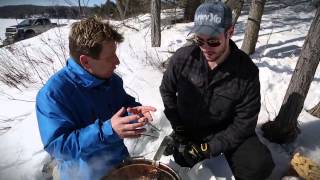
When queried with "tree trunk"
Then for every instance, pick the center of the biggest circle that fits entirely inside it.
(155, 23)
(126, 8)
(284, 128)
(120, 9)
(253, 26)
(190, 9)
(236, 7)
(315, 111)
(80, 9)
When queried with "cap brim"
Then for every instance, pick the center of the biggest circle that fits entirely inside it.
(207, 30)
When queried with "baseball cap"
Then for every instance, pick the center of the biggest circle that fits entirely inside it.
(212, 19)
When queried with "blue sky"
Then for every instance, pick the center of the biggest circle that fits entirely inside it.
(50, 2)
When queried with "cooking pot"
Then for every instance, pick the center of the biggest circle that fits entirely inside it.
(142, 169)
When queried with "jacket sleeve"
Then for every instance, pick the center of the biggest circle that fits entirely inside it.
(129, 100)
(245, 120)
(168, 91)
(60, 134)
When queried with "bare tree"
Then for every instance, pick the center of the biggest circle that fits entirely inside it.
(122, 6)
(253, 26)
(120, 9)
(284, 129)
(80, 9)
(315, 111)
(236, 6)
(81, 6)
(190, 7)
(155, 23)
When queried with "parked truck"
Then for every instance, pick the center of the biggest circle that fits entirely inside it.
(27, 28)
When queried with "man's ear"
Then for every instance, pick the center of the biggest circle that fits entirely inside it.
(84, 62)
(230, 31)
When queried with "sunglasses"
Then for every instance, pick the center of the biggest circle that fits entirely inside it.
(210, 42)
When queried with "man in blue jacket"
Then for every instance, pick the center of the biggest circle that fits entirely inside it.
(83, 111)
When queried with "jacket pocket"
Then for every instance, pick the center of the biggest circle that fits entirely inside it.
(222, 106)
(188, 98)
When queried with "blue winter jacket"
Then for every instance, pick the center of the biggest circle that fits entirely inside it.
(74, 110)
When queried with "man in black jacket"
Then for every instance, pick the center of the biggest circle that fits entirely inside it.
(211, 94)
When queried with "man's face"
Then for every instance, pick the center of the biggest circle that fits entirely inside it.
(104, 66)
(213, 47)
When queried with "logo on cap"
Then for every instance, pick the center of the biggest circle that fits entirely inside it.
(212, 19)
(207, 19)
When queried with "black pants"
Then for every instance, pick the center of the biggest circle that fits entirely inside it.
(251, 160)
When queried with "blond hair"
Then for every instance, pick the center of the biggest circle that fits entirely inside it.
(86, 37)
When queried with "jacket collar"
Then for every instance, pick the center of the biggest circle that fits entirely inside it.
(81, 76)
(230, 63)
(227, 67)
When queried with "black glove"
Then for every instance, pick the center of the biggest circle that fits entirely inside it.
(177, 140)
(194, 153)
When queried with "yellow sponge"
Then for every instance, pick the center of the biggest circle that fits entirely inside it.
(305, 167)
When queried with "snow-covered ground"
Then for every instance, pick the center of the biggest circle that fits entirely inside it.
(282, 34)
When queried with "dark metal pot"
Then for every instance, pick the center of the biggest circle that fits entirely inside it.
(142, 169)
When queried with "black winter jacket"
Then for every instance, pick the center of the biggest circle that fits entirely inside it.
(225, 109)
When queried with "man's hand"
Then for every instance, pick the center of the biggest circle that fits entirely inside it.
(176, 142)
(142, 111)
(124, 127)
(194, 153)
